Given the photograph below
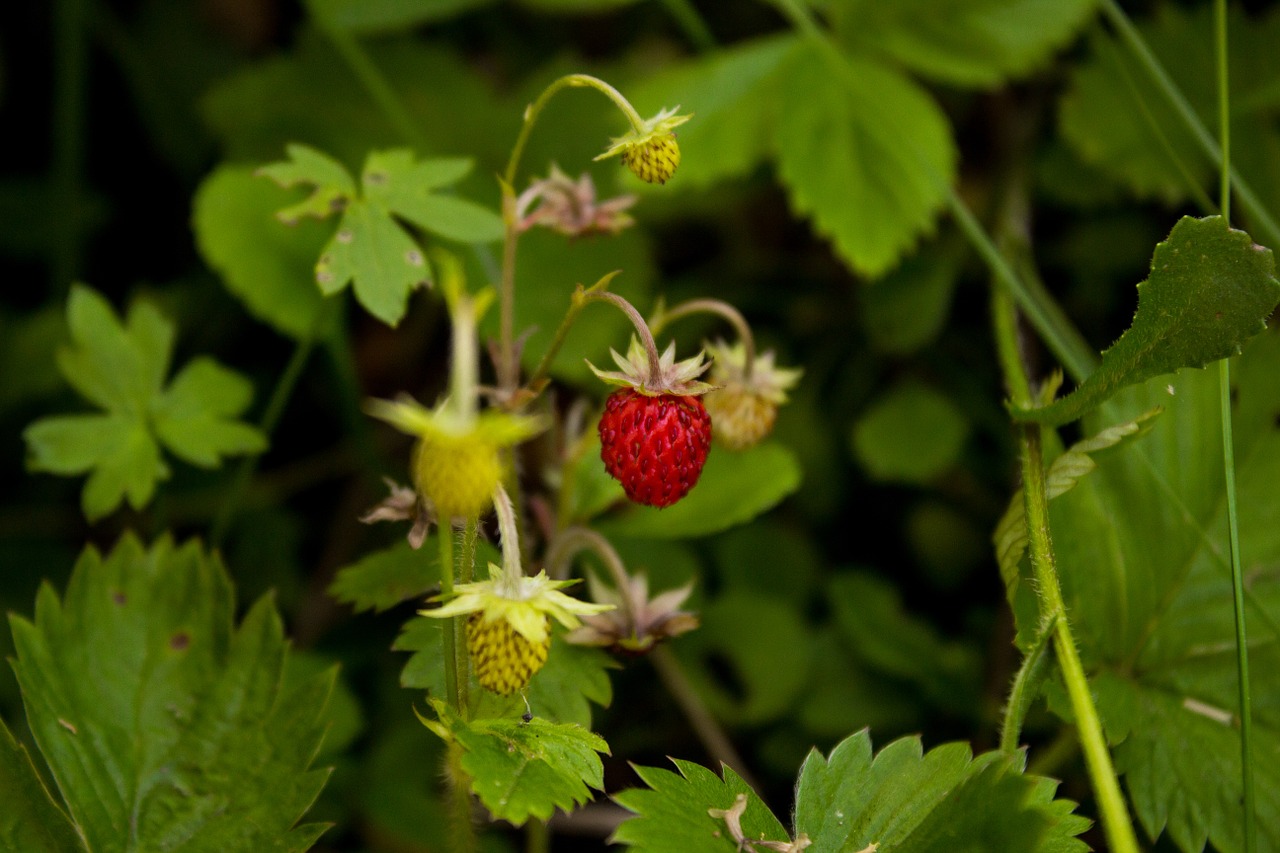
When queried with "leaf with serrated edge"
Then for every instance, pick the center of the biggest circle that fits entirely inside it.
(942, 801)
(734, 488)
(31, 821)
(404, 186)
(385, 578)
(1142, 551)
(1211, 288)
(521, 770)
(867, 154)
(182, 734)
(333, 186)
(195, 416)
(672, 812)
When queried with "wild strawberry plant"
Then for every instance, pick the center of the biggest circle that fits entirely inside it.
(771, 536)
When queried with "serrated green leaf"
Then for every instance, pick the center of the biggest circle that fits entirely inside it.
(121, 367)
(868, 155)
(383, 579)
(267, 265)
(672, 813)
(375, 253)
(912, 434)
(521, 770)
(944, 801)
(332, 185)
(1142, 546)
(733, 95)
(183, 735)
(1211, 288)
(31, 821)
(734, 488)
(404, 187)
(770, 662)
(376, 16)
(963, 42)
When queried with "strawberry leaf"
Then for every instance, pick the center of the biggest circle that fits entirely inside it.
(31, 821)
(122, 367)
(1211, 288)
(868, 156)
(521, 770)
(383, 579)
(163, 723)
(912, 434)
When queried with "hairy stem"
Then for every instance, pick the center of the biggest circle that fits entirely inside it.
(641, 327)
(574, 540)
(462, 831)
(723, 309)
(1026, 687)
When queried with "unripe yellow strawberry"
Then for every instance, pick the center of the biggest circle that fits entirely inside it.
(654, 160)
(740, 418)
(456, 473)
(504, 659)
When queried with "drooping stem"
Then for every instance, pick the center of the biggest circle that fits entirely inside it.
(573, 540)
(723, 309)
(507, 529)
(1229, 461)
(642, 328)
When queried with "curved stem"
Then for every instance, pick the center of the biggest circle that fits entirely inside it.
(577, 539)
(714, 306)
(1026, 687)
(642, 328)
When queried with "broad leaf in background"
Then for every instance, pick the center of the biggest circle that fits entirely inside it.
(734, 95)
(962, 42)
(370, 249)
(907, 309)
(383, 579)
(267, 265)
(866, 153)
(122, 368)
(31, 821)
(734, 488)
(1211, 288)
(672, 811)
(1118, 120)
(521, 770)
(912, 434)
(164, 723)
(1142, 551)
(943, 801)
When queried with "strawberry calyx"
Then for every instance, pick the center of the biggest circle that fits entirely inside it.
(668, 376)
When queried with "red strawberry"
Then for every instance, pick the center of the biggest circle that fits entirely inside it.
(654, 446)
(655, 432)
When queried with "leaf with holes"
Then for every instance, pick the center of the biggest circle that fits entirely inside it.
(122, 367)
(163, 722)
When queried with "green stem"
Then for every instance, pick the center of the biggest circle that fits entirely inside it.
(280, 396)
(537, 838)
(691, 24)
(70, 18)
(641, 327)
(1026, 687)
(1229, 461)
(721, 308)
(574, 540)
(1059, 334)
(462, 830)
(1253, 206)
(453, 678)
(373, 80)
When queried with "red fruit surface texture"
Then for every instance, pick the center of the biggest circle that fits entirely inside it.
(654, 446)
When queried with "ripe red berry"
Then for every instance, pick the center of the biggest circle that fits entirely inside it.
(654, 445)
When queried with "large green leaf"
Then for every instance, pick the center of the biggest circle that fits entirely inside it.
(121, 367)
(734, 488)
(1142, 549)
(165, 725)
(1211, 288)
(866, 153)
(965, 42)
(31, 821)
(524, 769)
(944, 801)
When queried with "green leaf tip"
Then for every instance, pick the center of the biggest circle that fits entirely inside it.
(161, 719)
(1211, 288)
(121, 367)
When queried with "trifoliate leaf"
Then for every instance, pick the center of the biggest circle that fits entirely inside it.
(1142, 551)
(31, 821)
(672, 813)
(371, 250)
(383, 579)
(163, 722)
(267, 265)
(911, 434)
(733, 95)
(122, 367)
(963, 42)
(1211, 288)
(866, 153)
(942, 801)
(734, 488)
(521, 770)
